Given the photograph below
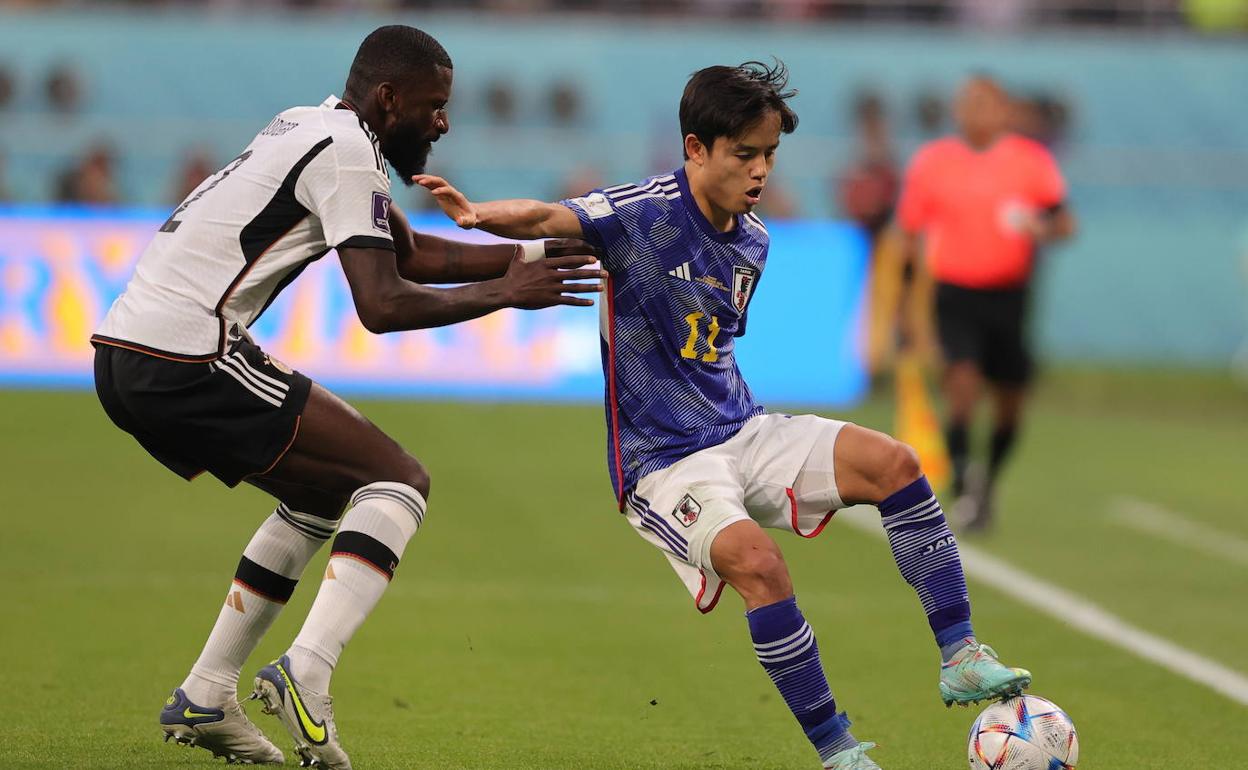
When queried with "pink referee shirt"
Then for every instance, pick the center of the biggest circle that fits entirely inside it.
(970, 206)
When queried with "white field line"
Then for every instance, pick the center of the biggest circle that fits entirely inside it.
(1079, 613)
(1154, 520)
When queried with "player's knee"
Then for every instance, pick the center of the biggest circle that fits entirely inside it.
(906, 467)
(900, 468)
(760, 574)
(414, 474)
(399, 467)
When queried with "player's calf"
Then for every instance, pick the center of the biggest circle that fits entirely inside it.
(784, 643)
(785, 646)
(927, 556)
(380, 520)
(264, 580)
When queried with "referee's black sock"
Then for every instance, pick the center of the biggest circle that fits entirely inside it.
(999, 449)
(957, 441)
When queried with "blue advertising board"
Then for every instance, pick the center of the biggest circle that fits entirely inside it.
(61, 268)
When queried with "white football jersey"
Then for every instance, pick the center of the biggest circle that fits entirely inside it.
(313, 180)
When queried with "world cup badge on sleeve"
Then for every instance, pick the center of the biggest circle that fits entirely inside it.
(381, 211)
(743, 280)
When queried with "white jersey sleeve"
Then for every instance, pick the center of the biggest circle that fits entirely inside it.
(347, 189)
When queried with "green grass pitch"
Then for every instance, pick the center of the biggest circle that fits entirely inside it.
(528, 627)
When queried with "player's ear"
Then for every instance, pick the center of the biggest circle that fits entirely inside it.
(387, 97)
(695, 150)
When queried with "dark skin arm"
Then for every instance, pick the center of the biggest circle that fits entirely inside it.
(386, 302)
(429, 259)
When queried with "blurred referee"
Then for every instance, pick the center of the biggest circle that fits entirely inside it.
(982, 202)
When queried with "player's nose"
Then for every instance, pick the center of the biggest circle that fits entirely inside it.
(442, 122)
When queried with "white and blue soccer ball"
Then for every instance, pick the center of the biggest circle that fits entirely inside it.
(1023, 733)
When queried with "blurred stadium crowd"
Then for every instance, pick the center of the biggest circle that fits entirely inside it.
(874, 135)
(1209, 15)
(864, 189)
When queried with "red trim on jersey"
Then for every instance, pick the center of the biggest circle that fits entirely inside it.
(793, 507)
(702, 592)
(611, 398)
(294, 435)
(229, 291)
(153, 352)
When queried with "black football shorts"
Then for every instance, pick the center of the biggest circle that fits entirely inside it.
(234, 417)
(987, 326)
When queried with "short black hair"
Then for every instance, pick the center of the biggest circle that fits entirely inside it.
(391, 53)
(726, 101)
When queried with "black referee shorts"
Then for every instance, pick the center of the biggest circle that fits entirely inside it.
(988, 327)
(233, 417)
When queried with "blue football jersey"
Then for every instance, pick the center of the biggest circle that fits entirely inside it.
(674, 305)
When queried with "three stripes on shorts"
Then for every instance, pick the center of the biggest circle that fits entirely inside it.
(263, 386)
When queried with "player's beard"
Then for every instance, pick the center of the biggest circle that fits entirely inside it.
(408, 153)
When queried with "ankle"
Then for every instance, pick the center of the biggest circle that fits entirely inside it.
(309, 669)
(949, 651)
(209, 693)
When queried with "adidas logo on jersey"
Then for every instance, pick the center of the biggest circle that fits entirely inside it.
(681, 272)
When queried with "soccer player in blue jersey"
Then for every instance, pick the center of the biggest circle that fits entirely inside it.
(698, 466)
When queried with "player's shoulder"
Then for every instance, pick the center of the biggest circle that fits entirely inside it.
(349, 141)
(939, 149)
(1026, 147)
(355, 144)
(931, 156)
(653, 193)
(755, 229)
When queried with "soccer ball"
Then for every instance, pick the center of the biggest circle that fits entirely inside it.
(1023, 733)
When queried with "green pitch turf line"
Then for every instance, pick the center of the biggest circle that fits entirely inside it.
(1153, 519)
(1075, 611)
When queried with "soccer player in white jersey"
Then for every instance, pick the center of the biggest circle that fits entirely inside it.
(175, 367)
(698, 466)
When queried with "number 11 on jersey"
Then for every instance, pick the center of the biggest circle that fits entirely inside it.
(690, 350)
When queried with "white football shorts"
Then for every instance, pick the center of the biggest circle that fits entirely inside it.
(778, 471)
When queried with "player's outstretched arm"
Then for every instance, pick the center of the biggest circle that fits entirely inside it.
(385, 302)
(517, 218)
(429, 259)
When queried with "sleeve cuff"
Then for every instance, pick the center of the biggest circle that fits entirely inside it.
(366, 242)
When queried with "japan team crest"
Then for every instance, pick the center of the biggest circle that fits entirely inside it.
(743, 280)
(687, 510)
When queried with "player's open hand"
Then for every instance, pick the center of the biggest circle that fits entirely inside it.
(552, 281)
(452, 202)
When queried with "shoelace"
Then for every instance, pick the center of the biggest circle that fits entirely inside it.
(329, 715)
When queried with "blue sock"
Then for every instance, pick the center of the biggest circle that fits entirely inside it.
(927, 556)
(785, 645)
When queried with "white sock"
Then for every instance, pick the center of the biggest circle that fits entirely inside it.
(381, 518)
(263, 582)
